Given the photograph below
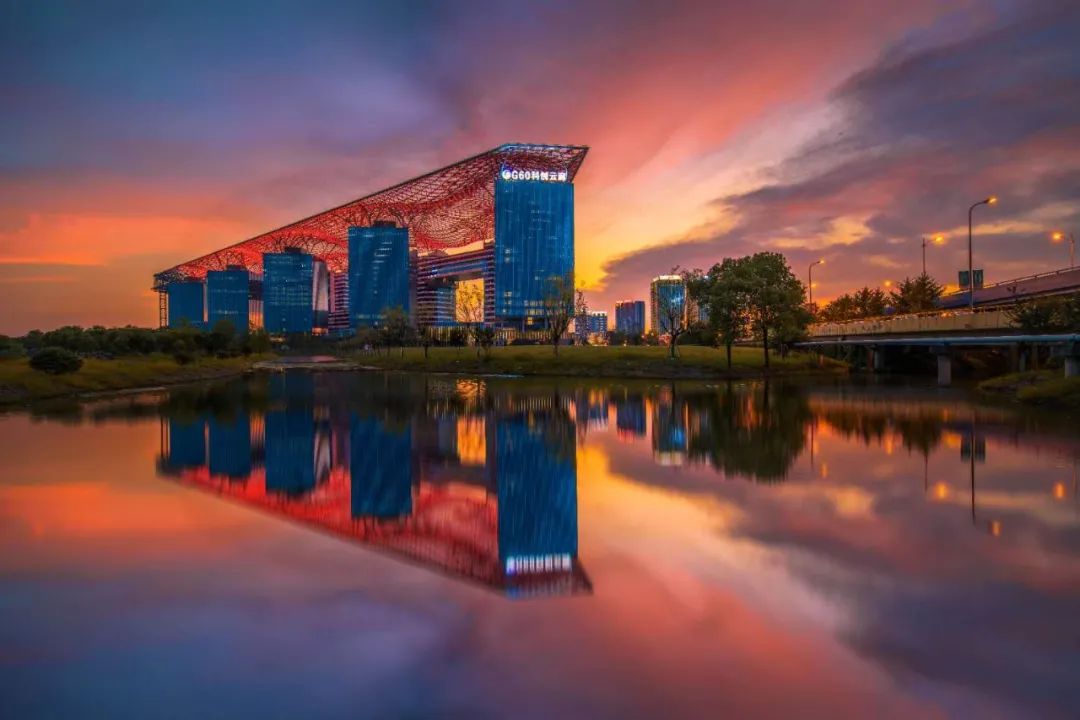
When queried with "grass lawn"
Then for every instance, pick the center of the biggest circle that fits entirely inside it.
(596, 361)
(19, 382)
(1036, 387)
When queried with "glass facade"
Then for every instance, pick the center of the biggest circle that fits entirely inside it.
(380, 469)
(288, 278)
(630, 316)
(227, 297)
(668, 294)
(187, 443)
(534, 241)
(185, 304)
(378, 272)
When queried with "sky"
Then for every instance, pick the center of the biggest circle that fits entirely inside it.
(135, 136)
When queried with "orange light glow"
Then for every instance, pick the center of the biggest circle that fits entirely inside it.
(941, 491)
(1059, 491)
(992, 200)
(995, 528)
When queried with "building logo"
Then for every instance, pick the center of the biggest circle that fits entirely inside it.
(542, 175)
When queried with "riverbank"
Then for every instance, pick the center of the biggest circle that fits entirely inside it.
(598, 361)
(1037, 387)
(21, 383)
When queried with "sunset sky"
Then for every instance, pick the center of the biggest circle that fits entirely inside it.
(136, 136)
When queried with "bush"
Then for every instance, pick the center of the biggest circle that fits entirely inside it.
(10, 349)
(55, 361)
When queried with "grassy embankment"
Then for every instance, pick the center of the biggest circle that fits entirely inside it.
(1036, 387)
(20, 383)
(597, 361)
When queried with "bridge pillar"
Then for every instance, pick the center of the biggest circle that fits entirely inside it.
(1072, 360)
(879, 359)
(944, 366)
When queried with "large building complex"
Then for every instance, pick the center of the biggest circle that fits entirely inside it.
(630, 317)
(502, 220)
(667, 301)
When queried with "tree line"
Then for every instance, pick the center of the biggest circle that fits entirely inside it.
(911, 295)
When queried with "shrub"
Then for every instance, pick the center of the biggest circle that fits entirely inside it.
(55, 361)
(10, 349)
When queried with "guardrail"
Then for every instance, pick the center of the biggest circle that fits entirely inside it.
(992, 318)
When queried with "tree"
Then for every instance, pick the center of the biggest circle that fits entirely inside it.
(10, 348)
(774, 297)
(723, 292)
(1036, 316)
(470, 308)
(914, 295)
(55, 361)
(220, 337)
(558, 307)
(864, 303)
(395, 328)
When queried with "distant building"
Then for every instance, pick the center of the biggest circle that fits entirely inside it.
(338, 320)
(228, 297)
(378, 272)
(186, 303)
(593, 324)
(288, 280)
(630, 317)
(666, 292)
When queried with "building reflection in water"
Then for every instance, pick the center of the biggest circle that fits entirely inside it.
(478, 478)
(427, 470)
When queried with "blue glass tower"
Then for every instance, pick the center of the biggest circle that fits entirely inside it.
(185, 304)
(537, 488)
(227, 297)
(287, 292)
(380, 469)
(534, 242)
(378, 272)
(667, 295)
(630, 317)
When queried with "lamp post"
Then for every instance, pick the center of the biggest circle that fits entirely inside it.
(971, 267)
(810, 281)
(938, 240)
(1059, 237)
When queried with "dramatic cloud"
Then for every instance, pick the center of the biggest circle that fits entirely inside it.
(234, 120)
(922, 133)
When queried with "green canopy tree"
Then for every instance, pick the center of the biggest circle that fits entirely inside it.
(774, 298)
(914, 295)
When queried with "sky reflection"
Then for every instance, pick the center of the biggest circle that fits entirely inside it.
(736, 549)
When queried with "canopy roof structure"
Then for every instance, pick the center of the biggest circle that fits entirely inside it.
(447, 208)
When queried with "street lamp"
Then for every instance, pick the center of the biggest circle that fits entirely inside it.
(810, 280)
(938, 240)
(971, 267)
(1059, 237)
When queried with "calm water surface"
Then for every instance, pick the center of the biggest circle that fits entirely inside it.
(397, 546)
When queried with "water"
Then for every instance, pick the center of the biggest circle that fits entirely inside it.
(303, 545)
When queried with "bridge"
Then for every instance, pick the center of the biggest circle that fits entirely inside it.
(955, 326)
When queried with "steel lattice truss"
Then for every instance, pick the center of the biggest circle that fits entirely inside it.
(447, 208)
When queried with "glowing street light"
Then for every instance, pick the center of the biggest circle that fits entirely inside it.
(992, 200)
(938, 240)
(1060, 237)
(810, 280)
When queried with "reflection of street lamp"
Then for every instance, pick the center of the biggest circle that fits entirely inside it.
(938, 240)
(1059, 237)
(810, 280)
(971, 267)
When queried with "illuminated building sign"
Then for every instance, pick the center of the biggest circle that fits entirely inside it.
(554, 562)
(542, 175)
